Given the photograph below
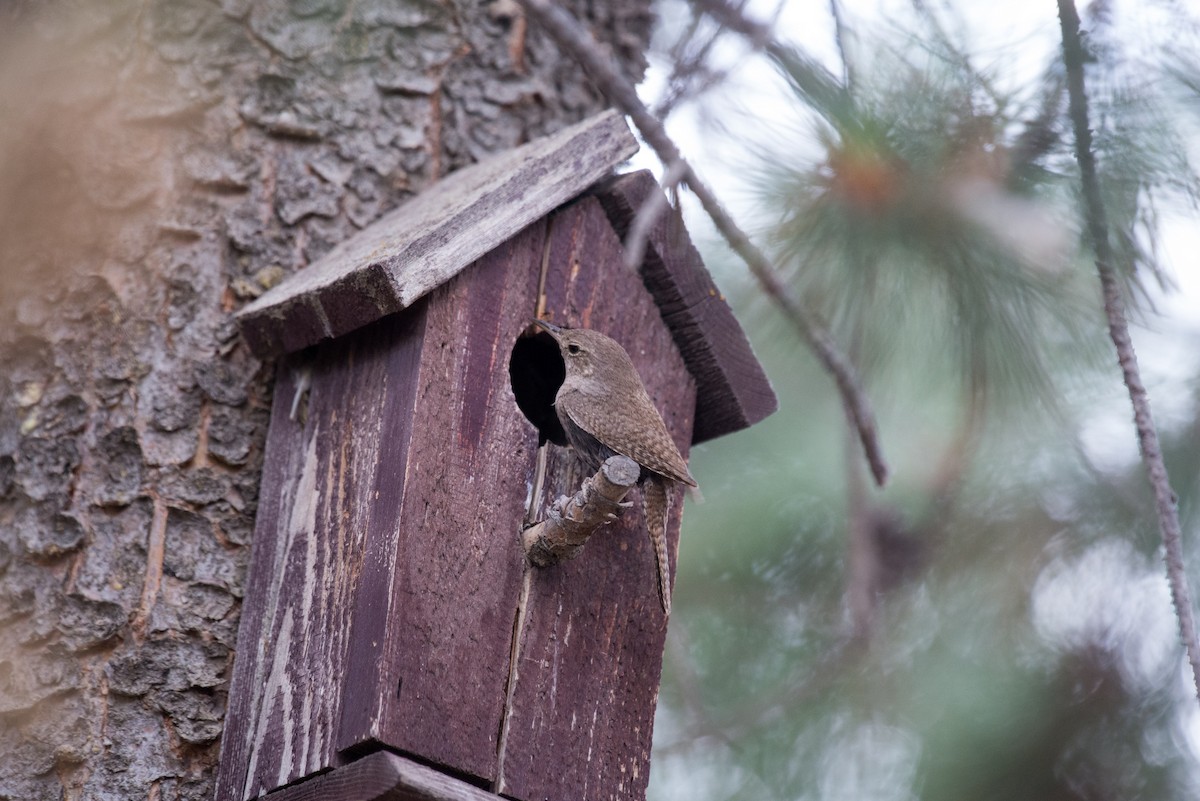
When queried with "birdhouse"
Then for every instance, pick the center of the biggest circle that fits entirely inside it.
(394, 637)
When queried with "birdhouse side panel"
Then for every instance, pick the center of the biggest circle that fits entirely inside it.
(342, 414)
(453, 581)
(285, 452)
(590, 652)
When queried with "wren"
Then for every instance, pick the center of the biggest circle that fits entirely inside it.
(605, 410)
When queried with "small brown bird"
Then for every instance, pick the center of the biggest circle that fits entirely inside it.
(605, 410)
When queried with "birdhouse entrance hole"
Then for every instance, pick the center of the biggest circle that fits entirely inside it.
(536, 371)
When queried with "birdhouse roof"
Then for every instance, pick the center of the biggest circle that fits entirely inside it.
(412, 250)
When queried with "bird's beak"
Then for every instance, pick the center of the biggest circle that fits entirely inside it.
(550, 328)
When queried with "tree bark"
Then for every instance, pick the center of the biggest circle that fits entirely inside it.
(161, 164)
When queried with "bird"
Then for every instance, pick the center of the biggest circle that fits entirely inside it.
(605, 410)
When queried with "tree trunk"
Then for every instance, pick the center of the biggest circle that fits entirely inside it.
(161, 163)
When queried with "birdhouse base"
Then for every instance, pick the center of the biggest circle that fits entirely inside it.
(382, 774)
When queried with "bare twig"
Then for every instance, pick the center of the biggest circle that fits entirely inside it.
(862, 555)
(820, 89)
(1118, 329)
(648, 214)
(690, 76)
(761, 35)
(687, 66)
(575, 40)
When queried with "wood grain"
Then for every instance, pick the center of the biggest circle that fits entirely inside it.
(590, 652)
(421, 245)
(732, 391)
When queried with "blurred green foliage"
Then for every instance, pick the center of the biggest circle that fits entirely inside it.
(1021, 643)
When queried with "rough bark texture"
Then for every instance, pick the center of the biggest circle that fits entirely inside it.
(170, 160)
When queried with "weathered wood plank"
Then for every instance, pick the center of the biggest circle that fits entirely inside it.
(732, 392)
(285, 452)
(354, 430)
(432, 237)
(434, 625)
(382, 776)
(590, 658)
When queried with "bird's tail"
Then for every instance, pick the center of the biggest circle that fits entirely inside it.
(655, 501)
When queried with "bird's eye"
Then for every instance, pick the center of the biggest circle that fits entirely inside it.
(573, 349)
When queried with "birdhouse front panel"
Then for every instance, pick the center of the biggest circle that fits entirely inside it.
(391, 549)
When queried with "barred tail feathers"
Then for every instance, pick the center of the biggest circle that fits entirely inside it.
(655, 502)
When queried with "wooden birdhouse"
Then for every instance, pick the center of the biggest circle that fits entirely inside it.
(395, 641)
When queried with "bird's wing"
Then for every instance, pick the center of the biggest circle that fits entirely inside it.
(646, 441)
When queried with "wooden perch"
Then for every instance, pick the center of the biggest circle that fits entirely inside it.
(572, 520)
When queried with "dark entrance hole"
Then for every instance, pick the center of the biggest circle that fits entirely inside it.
(536, 371)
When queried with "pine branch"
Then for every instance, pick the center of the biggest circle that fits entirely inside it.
(1118, 328)
(576, 41)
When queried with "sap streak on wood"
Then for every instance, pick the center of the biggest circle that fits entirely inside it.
(310, 547)
(732, 392)
(419, 246)
(382, 776)
(590, 653)
(434, 624)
